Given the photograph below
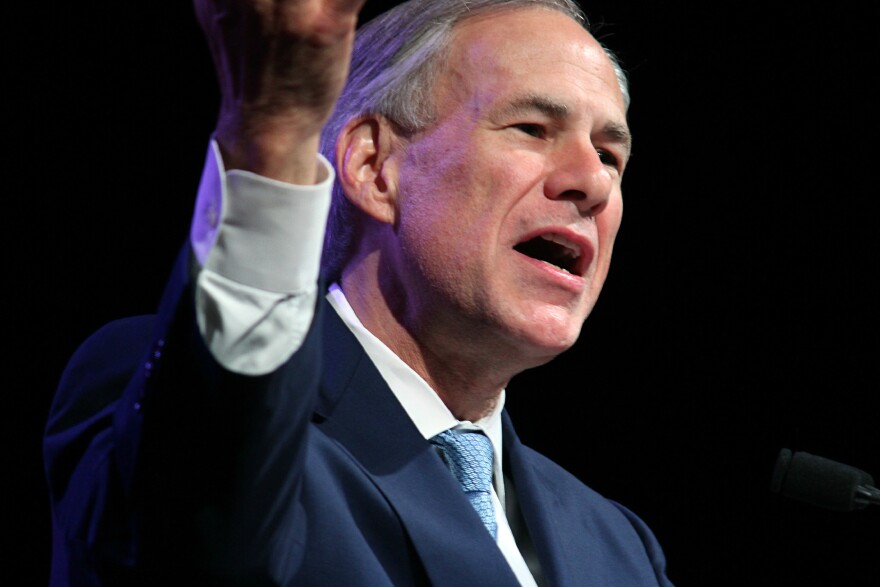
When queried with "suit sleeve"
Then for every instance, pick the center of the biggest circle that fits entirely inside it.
(167, 462)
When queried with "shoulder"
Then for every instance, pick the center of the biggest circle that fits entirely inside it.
(111, 351)
(99, 369)
(581, 501)
(593, 523)
(570, 490)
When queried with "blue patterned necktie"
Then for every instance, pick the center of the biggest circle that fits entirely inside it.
(469, 456)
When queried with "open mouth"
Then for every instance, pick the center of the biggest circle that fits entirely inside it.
(555, 250)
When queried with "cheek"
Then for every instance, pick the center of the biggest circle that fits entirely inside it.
(609, 223)
(457, 203)
(446, 194)
(433, 227)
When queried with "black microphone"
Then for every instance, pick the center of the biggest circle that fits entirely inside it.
(823, 482)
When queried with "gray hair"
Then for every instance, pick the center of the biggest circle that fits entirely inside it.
(396, 58)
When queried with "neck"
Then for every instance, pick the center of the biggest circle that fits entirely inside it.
(466, 378)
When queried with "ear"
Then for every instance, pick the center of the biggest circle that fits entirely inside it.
(366, 168)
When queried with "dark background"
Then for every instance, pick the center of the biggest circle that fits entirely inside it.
(739, 317)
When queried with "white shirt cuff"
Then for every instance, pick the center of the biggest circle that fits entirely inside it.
(258, 242)
(258, 231)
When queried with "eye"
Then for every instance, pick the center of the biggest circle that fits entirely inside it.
(531, 129)
(608, 158)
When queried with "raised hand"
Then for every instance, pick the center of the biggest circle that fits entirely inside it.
(281, 65)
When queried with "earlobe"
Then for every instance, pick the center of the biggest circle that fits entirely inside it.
(366, 169)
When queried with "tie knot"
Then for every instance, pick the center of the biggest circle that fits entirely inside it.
(468, 455)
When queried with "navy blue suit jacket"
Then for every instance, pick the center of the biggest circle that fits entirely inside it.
(165, 468)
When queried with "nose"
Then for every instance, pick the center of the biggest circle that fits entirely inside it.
(579, 175)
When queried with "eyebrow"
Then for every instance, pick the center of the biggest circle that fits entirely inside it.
(551, 108)
(613, 131)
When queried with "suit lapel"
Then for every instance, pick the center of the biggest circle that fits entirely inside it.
(360, 413)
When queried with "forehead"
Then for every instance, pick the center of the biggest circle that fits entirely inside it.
(532, 51)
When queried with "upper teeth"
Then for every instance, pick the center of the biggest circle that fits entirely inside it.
(572, 249)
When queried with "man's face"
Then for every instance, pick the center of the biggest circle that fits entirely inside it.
(510, 203)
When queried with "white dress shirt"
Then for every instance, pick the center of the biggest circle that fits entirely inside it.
(258, 242)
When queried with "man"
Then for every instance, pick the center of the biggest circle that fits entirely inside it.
(259, 432)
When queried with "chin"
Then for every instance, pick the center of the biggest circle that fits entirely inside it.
(544, 340)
